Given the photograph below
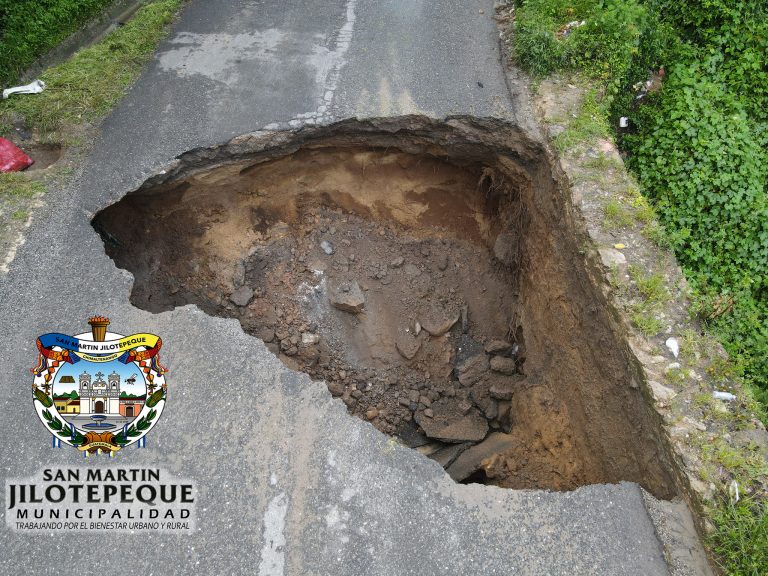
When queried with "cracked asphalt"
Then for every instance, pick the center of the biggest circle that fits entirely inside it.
(287, 482)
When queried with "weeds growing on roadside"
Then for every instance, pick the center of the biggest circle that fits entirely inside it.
(88, 85)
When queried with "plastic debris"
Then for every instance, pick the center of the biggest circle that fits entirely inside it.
(733, 491)
(327, 247)
(34, 87)
(566, 29)
(653, 84)
(623, 122)
(727, 396)
(13, 158)
(673, 346)
(619, 246)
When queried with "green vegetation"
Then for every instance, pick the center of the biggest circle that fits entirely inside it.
(698, 141)
(80, 90)
(617, 215)
(650, 294)
(741, 536)
(71, 395)
(88, 85)
(30, 28)
(590, 123)
(15, 185)
(698, 146)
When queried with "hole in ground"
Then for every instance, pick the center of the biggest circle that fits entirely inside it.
(429, 272)
(44, 155)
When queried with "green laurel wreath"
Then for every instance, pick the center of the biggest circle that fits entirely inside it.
(62, 430)
(142, 425)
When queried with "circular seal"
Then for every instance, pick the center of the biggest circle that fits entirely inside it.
(99, 391)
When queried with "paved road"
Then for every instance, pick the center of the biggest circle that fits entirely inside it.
(289, 483)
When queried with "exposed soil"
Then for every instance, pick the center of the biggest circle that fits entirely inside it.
(44, 155)
(430, 276)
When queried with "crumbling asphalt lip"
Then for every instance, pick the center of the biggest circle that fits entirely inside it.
(288, 140)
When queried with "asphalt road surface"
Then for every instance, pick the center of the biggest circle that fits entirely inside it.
(287, 482)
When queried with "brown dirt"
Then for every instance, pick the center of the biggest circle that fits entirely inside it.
(454, 245)
(44, 155)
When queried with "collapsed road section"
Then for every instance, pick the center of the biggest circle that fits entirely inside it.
(431, 273)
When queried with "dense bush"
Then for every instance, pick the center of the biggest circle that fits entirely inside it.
(702, 161)
(30, 28)
(699, 160)
(605, 43)
(698, 146)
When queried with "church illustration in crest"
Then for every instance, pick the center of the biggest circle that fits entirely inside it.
(99, 396)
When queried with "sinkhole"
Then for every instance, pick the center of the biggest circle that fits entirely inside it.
(433, 274)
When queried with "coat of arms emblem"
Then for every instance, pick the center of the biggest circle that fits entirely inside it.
(99, 391)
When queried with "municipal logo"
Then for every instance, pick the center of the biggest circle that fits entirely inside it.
(99, 391)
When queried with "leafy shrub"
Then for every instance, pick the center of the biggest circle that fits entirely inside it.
(705, 165)
(607, 42)
(744, 333)
(733, 38)
(604, 45)
(714, 201)
(698, 147)
(537, 49)
(30, 28)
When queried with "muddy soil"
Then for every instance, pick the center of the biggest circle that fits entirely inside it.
(442, 296)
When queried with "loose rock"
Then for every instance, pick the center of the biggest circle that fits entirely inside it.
(309, 338)
(501, 348)
(471, 459)
(439, 322)
(473, 369)
(502, 391)
(407, 344)
(660, 392)
(266, 334)
(449, 425)
(348, 297)
(242, 296)
(503, 365)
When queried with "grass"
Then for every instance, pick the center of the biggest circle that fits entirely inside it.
(740, 540)
(88, 85)
(651, 294)
(617, 215)
(644, 320)
(604, 162)
(18, 186)
(82, 89)
(589, 124)
(32, 28)
(652, 286)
